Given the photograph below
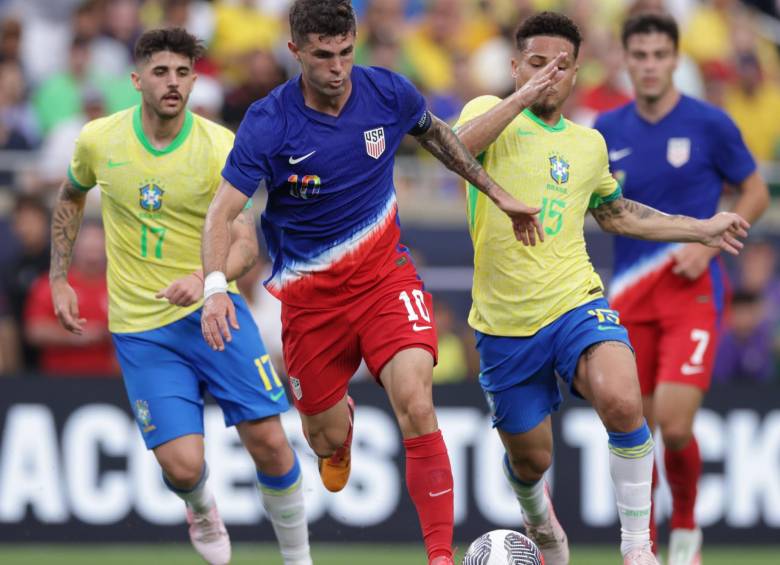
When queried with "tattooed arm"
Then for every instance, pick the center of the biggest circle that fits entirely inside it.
(630, 218)
(65, 224)
(441, 142)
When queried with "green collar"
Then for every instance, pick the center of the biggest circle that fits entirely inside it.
(560, 126)
(175, 144)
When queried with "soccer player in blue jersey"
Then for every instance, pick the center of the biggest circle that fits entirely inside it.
(323, 146)
(674, 153)
(157, 167)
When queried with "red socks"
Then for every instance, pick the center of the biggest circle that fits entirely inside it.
(429, 480)
(683, 468)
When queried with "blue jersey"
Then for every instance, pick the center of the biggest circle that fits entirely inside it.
(678, 166)
(331, 218)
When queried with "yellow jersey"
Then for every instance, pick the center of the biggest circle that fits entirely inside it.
(154, 204)
(563, 169)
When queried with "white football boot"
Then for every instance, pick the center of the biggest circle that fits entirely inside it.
(209, 536)
(640, 556)
(549, 536)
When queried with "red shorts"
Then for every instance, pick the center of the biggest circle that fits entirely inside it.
(674, 329)
(323, 347)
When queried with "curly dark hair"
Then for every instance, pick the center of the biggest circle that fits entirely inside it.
(549, 23)
(176, 40)
(326, 18)
(650, 22)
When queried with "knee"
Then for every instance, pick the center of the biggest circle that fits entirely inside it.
(420, 417)
(183, 473)
(326, 440)
(270, 447)
(676, 435)
(622, 413)
(531, 465)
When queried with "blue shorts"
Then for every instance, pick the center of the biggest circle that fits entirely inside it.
(167, 370)
(518, 374)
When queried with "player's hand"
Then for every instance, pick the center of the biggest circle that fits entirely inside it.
(722, 231)
(217, 311)
(525, 222)
(66, 306)
(542, 80)
(692, 260)
(185, 291)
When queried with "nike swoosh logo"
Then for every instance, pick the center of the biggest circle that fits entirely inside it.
(417, 328)
(276, 396)
(687, 369)
(442, 493)
(112, 164)
(617, 155)
(294, 161)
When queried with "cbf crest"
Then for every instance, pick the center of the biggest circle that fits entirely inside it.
(375, 142)
(151, 196)
(559, 169)
(144, 416)
(678, 151)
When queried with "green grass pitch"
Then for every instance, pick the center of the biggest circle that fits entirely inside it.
(324, 554)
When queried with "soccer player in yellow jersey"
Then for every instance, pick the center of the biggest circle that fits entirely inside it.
(158, 167)
(538, 311)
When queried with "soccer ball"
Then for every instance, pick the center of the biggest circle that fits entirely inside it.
(503, 547)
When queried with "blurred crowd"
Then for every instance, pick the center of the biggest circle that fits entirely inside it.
(64, 63)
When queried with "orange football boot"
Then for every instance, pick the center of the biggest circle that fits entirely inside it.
(334, 470)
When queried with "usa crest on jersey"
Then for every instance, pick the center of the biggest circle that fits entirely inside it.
(375, 142)
(678, 151)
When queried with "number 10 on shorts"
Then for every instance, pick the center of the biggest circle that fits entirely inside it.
(421, 310)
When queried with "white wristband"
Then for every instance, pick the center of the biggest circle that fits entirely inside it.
(214, 283)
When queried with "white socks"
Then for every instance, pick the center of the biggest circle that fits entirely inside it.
(631, 468)
(199, 497)
(531, 497)
(283, 502)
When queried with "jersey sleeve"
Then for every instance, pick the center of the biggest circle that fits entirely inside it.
(476, 107)
(607, 188)
(81, 172)
(258, 137)
(412, 106)
(731, 157)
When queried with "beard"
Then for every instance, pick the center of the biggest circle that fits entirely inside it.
(543, 109)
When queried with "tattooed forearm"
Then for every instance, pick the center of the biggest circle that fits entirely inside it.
(612, 214)
(628, 217)
(65, 224)
(441, 142)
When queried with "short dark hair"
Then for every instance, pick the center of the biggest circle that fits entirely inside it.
(326, 18)
(650, 22)
(175, 39)
(549, 23)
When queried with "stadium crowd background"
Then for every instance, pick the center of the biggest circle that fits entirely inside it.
(63, 63)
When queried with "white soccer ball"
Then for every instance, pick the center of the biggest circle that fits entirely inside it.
(503, 547)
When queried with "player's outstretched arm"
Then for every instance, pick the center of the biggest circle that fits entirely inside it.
(630, 218)
(218, 309)
(65, 225)
(477, 134)
(441, 142)
(188, 290)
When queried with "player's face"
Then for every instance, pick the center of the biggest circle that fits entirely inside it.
(326, 62)
(165, 82)
(538, 52)
(651, 60)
